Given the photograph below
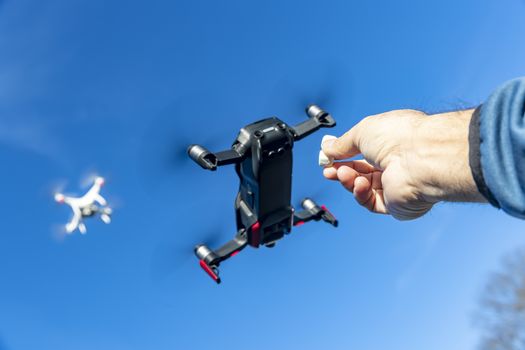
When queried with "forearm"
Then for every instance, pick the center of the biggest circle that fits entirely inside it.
(441, 148)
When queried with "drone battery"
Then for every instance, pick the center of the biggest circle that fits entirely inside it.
(267, 167)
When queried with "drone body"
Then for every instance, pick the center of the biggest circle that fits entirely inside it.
(86, 206)
(262, 154)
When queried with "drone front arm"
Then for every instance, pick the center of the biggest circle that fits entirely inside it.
(318, 118)
(209, 160)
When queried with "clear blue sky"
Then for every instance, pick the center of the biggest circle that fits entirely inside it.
(110, 86)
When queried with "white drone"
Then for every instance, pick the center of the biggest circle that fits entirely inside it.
(84, 207)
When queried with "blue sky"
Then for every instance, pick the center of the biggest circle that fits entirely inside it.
(113, 87)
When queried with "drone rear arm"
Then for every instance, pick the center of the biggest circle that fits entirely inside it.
(313, 211)
(210, 260)
(318, 118)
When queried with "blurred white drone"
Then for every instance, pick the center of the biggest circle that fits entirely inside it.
(84, 207)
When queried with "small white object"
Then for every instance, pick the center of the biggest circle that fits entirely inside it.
(324, 160)
(85, 206)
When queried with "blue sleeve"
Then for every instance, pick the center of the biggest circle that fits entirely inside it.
(502, 147)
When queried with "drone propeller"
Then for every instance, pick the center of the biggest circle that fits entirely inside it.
(50, 189)
(324, 93)
(88, 179)
(61, 185)
(58, 232)
(320, 195)
(169, 257)
(325, 85)
(163, 157)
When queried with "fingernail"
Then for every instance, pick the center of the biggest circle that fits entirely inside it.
(324, 160)
(330, 172)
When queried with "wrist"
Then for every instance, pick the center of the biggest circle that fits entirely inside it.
(443, 171)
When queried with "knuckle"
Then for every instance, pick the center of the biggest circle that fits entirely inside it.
(339, 145)
(366, 121)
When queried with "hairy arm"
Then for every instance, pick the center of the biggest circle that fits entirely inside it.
(411, 161)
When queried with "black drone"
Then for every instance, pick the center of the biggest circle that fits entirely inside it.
(262, 154)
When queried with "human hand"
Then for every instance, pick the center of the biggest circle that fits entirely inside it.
(411, 161)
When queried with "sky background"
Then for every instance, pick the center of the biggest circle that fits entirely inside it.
(115, 87)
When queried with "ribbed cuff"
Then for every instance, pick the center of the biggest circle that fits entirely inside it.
(474, 140)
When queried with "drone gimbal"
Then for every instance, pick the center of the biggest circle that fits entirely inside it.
(262, 154)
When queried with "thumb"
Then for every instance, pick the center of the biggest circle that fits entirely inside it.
(343, 147)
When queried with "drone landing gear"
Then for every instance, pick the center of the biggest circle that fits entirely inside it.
(209, 260)
(313, 211)
(105, 215)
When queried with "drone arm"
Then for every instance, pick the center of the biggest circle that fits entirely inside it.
(100, 200)
(318, 118)
(231, 248)
(210, 260)
(230, 156)
(210, 161)
(75, 220)
(313, 211)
